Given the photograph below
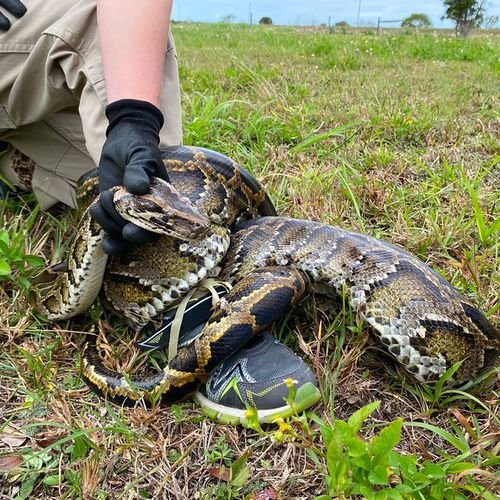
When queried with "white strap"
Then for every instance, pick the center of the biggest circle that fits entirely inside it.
(175, 330)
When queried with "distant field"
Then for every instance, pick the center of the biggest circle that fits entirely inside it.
(397, 136)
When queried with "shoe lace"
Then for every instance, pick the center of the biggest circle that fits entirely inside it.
(196, 293)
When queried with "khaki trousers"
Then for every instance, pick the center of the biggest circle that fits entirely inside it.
(53, 95)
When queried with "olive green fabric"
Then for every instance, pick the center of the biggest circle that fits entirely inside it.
(52, 95)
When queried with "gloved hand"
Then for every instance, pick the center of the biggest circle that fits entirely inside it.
(15, 7)
(130, 157)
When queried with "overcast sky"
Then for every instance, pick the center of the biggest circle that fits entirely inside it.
(314, 11)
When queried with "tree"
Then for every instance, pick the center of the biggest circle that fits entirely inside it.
(417, 20)
(342, 26)
(467, 14)
(265, 20)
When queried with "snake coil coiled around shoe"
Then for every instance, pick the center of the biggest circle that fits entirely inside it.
(273, 263)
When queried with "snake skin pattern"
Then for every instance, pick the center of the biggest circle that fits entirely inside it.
(422, 321)
(141, 283)
(273, 263)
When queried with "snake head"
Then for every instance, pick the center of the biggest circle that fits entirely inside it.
(162, 211)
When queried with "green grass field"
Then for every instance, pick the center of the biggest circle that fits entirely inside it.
(397, 136)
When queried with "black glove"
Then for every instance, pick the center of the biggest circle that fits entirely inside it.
(15, 7)
(130, 157)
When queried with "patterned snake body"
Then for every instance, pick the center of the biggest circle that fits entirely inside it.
(424, 322)
(273, 263)
(141, 283)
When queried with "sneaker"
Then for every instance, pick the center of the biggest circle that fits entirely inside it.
(196, 314)
(255, 383)
(250, 379)
(23, 168)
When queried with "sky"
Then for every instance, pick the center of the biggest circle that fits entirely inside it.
(315, 12)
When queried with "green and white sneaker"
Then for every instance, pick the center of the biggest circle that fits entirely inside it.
(257, 382)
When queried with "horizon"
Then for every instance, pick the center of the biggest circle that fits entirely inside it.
(361, 13)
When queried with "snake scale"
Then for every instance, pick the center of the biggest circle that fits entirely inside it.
(224, 225)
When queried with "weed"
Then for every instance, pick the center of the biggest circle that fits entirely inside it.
(487, 232)
(15, 264)
(220, 453)
(371, 468)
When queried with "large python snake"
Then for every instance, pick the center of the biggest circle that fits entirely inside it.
(221, 227)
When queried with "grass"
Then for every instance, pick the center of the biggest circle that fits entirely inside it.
(396, 136)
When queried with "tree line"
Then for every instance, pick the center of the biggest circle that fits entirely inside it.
(466, 14)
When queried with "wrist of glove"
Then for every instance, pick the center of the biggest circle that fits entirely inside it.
(130, 157)
(14, 7)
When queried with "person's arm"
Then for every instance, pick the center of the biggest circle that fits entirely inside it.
(133, 37)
